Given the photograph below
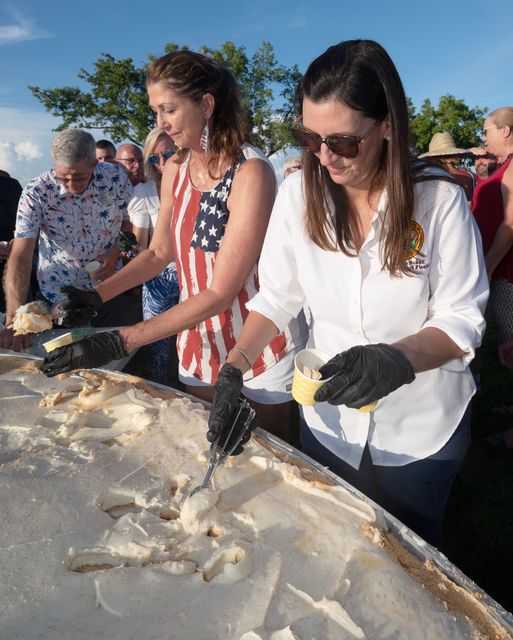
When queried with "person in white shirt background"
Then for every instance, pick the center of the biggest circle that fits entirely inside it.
(159, 363)
(385, 253)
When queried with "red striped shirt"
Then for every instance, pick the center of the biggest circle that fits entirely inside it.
(197, 225)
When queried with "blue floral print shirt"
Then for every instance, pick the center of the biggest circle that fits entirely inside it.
(73, 229)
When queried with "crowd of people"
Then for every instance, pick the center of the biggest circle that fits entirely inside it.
(366, 253)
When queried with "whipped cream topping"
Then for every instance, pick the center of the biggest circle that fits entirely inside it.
(32, 317)
(100, 538)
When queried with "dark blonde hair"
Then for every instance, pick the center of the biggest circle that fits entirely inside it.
(192, 75)
(361, 75)
(502, 117)
(150, 173)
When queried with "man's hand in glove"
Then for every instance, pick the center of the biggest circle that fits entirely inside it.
(364, 374)
(79, 306)
(225, 406)
(94, 351)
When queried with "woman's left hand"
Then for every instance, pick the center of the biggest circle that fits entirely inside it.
(364, 374)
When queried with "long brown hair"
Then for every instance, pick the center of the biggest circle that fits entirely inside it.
(362, 76)
(192, 75)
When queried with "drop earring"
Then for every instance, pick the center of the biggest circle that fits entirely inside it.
(205, 139)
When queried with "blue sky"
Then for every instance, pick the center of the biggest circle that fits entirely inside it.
(439, 47)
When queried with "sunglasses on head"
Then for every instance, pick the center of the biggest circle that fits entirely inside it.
(155, 157)
(345, 146)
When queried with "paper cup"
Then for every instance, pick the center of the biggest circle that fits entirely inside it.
(93, 266)
(303, 387)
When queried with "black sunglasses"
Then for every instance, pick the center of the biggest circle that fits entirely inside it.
(345, 146)
(155, 157)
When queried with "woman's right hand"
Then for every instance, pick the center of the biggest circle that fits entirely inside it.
(225, 407)
(78, 306)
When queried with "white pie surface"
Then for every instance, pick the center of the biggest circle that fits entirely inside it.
(99, 539)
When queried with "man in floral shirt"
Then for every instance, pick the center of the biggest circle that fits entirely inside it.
(76, 210)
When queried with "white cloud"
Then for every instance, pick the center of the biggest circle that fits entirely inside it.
(7, 157)
(27, 150)
(23, 29)
(25, 138)
(17, 159)
(18, 124)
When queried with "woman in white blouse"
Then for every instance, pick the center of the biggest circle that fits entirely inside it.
(161, 292)
(384, 252)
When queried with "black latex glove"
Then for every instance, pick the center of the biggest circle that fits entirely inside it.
(225, 406)
(127, 241)
(94, 351)
(79, 306)
(364, 374)
(240, 427)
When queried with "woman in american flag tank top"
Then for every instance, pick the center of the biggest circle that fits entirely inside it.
(216, 198)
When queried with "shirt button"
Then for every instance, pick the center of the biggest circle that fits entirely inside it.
(354, 300)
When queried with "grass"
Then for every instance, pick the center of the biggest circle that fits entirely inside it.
(478, 531)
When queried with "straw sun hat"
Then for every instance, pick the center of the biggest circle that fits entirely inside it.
(442, 144)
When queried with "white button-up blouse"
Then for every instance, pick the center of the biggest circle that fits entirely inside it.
(353, 301)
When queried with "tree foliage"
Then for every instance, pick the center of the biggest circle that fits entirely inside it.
(451, 115)
(116, 100)
(259, 77)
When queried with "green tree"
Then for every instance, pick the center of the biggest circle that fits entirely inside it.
(452, 115)
(116, 100)
(259, 77)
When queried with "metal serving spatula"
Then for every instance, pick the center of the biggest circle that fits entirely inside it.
(218, 453)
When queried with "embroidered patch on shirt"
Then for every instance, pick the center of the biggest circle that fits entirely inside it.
(415, 240)
(418, 264)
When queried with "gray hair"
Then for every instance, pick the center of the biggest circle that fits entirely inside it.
(71, 146)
